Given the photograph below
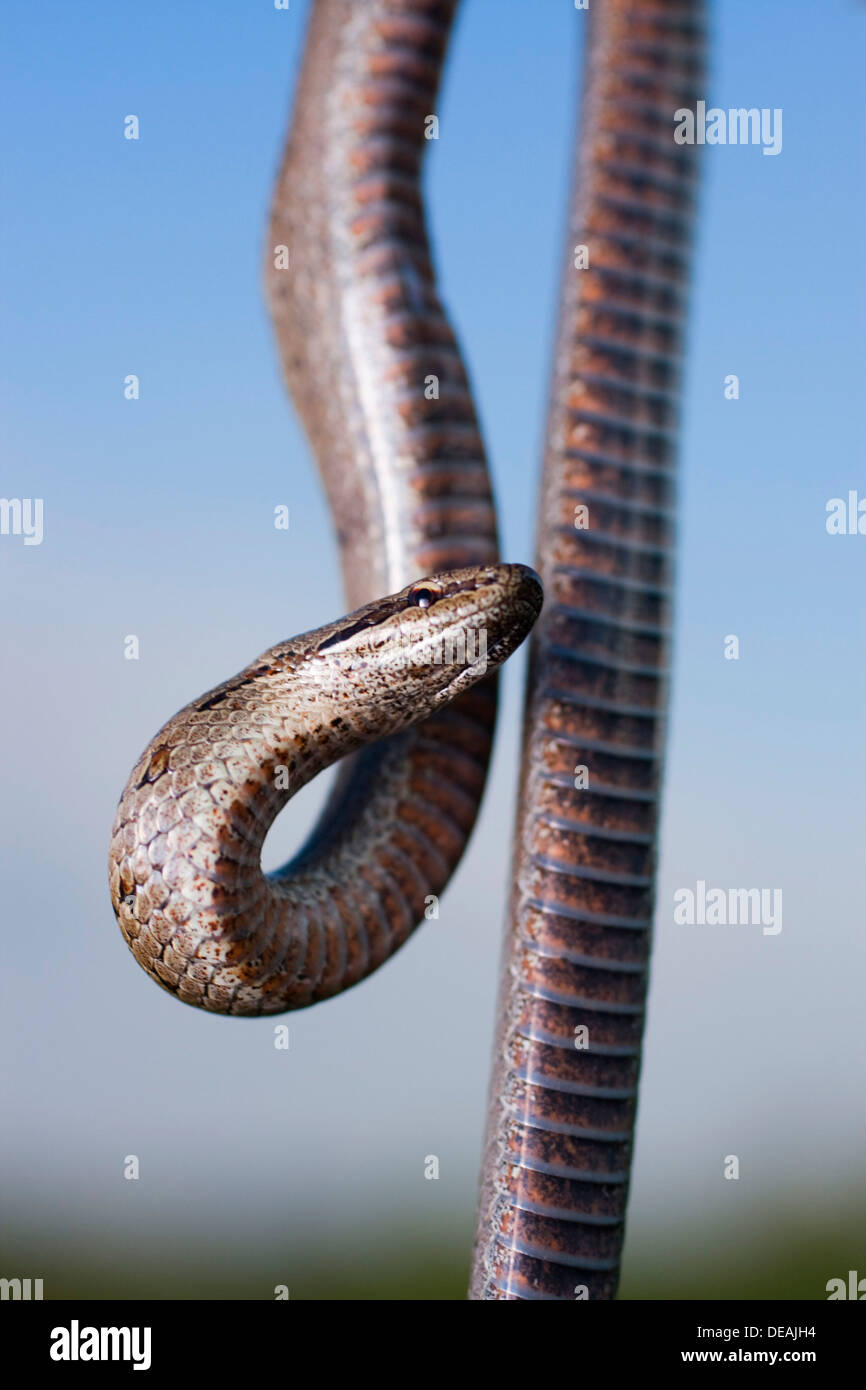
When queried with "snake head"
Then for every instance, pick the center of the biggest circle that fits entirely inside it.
(421, 647)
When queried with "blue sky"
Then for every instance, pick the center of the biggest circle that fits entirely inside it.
(144, 257)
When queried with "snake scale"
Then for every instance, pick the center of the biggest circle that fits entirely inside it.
(567, 1056)
(362, 334)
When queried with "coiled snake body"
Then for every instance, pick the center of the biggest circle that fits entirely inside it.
(363, 338)
(185, 863)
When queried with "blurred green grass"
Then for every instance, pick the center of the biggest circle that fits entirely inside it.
(780, 1259)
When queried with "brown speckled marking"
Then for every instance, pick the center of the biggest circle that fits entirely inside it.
(559, 1137)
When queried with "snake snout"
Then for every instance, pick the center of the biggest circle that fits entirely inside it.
(527, 587)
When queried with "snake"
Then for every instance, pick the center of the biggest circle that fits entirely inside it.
(575, 971)
(360, 329)
(401, 693)
(192, 900)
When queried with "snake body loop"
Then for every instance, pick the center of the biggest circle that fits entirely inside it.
(377, 378)
(563, 1093)
(186, 880)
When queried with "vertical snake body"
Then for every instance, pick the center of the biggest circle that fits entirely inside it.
(567, 1055)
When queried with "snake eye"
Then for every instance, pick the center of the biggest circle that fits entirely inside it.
(423, 596)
